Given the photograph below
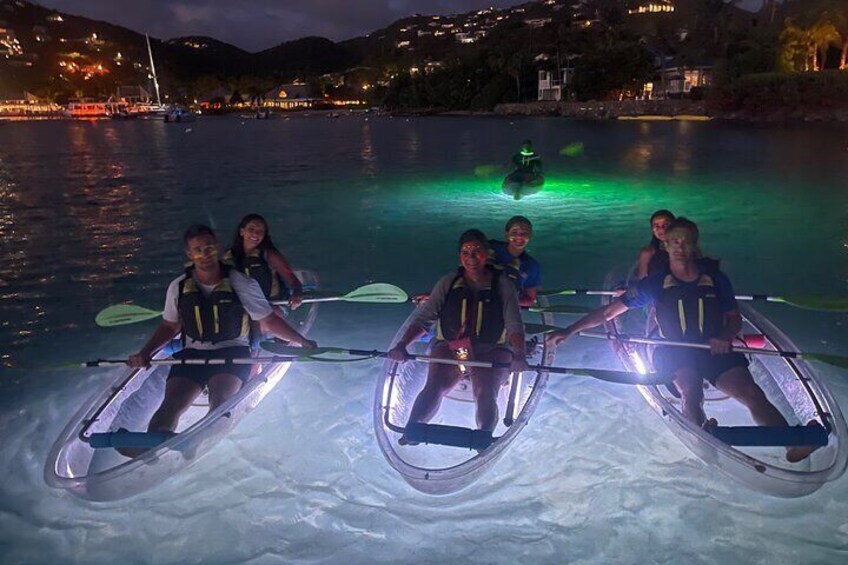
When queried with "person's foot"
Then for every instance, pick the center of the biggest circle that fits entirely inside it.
(404, 441)
(709, 423)
(132, 452)
(798, 453)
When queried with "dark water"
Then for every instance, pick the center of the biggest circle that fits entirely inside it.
(91, 214)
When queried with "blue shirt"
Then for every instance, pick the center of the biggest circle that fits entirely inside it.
(647, 291)
(530, 271)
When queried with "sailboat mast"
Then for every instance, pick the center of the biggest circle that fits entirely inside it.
(153, 71)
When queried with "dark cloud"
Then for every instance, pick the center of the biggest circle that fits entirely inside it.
(259, 24)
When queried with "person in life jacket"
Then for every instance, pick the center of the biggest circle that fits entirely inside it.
(476, 314)
(512, 258)
(254, 254)
(527, 161)
(211, 304)
(653, 258)
(694, 302)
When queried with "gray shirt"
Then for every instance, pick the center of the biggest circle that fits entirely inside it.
(428, 312)
(248, 292)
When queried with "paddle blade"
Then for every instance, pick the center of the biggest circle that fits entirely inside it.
(562, 309)
(377, 293)
(121, 314)
(556, 291)
(835, 360)
(531, 329)
(572, 149)
(812, 302)
(486, 171)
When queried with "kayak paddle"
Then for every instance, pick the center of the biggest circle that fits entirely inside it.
(618, 377)
(376, 293)
(835, 360)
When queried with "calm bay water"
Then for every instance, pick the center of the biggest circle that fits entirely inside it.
(91, 214)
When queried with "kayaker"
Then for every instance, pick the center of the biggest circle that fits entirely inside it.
(653, 258)
(211, 304)
(254, 254)
(475, 310)
(694, 302)
(511, 256)
(527, 161)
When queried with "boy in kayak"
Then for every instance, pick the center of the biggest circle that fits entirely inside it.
(527, 162)
(694, 302)
(212, 305)
(511, 256)
(477, 318)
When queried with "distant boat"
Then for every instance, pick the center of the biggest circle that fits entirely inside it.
(152, 109)
(90, 110)
(180, 115)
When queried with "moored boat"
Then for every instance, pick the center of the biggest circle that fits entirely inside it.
(454, 454)
(101, 474)
(792, 385)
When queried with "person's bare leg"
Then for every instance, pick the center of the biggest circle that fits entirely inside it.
(739, 384)
(222, 387)
(691, 388)
(180, 392)
(440, 380)
(486, 384)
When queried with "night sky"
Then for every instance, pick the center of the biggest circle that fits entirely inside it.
(255, 25)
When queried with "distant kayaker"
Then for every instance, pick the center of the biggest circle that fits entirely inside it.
(653, 258)
(211, 304)
(527, 161)
(475, 310)
(511, 256)
(254, 254)
(694, 302)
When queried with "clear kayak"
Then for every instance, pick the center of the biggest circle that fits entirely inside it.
(101, 474)
(792, 385)
(518, 184)
(437, 468)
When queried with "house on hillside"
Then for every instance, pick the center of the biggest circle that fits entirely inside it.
(292, 97)
(678, 81)
(553, 83)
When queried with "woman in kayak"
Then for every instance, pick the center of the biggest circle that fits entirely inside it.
(476, 314)
(254, 254)
(653, 257)
(511, 255)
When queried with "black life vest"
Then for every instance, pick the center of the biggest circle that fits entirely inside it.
(659, 260)
(256, 267)
(214, 318)
(476, 315)
(512, 269)
(690, 312)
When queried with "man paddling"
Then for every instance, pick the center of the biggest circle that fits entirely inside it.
(694, 302)
(511, 256)
(211, 305)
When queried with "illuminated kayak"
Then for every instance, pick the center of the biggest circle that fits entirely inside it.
(518, 184)
(102, 474)
(451, 454)
(791, 385)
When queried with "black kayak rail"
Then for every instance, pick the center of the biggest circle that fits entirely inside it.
(770, 436)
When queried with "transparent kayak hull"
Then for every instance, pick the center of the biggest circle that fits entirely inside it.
(129, 402)
(792, 385)
(439, 469)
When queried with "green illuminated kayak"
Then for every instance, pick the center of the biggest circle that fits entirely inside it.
(518, 184)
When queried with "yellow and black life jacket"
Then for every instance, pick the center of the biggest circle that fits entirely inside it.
(256, 267)
(214, 318)
(512, 270)
(476, 315)
(689, 312)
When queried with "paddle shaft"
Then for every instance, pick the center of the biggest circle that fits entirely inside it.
(649, 341)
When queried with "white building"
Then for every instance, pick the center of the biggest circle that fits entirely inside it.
(552, 83)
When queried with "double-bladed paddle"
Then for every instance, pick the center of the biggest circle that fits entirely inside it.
(618, 377)
(805, 301)
(835, 360)
(375, 293)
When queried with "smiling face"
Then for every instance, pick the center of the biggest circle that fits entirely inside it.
(473, 256)
(252, 234)
(518, 236)
(203, 251)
